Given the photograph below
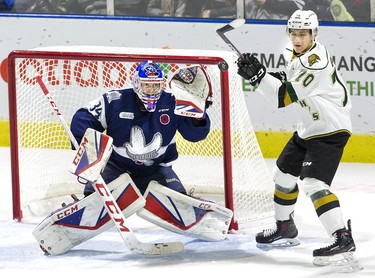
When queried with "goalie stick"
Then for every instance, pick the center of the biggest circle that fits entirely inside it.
(229, 27)
(110, 203)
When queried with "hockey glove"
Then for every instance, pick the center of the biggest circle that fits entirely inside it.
(281, 75)
(251, 69)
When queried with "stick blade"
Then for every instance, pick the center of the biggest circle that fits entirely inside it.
(156, 248)
(167, 248)
(237, 22)
(231, 26)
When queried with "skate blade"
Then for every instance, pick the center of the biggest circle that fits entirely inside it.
(343, 263)
(281, 243)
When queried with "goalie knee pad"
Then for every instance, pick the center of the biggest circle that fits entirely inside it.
(86, 218)
(185, 215)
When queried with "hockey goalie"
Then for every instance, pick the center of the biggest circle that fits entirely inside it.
(134, 157)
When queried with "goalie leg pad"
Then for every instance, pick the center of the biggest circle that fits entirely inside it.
(78, 222)
(185, 215)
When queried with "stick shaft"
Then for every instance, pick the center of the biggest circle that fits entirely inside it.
(229, 43)
(57, 111)
(229, 27)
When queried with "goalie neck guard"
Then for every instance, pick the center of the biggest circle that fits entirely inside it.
(148, 83)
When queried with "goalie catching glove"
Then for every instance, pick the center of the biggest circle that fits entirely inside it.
(192, 89)
(251, 69)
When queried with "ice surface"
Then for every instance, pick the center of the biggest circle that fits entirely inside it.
(106, 255)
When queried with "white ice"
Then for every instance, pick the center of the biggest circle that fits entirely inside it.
(106, 255)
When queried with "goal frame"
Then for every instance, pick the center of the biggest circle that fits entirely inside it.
(209, 60)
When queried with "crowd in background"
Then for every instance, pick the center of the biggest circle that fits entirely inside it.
(327, 10)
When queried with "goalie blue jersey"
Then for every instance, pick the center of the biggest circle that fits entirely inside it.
(142, 140)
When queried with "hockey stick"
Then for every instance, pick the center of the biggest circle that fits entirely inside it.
(229, 27)
(110, 203)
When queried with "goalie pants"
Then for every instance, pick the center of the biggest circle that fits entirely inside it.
(316, 158)
(163, 175)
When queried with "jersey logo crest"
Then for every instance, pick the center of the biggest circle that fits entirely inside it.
(139, 151)
(313, 58)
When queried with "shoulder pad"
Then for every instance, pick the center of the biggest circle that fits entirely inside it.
(113, 95)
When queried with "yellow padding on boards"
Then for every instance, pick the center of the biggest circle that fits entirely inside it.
(360, 148)
(4, 134)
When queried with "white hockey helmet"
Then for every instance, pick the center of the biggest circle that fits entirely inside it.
(304, 20)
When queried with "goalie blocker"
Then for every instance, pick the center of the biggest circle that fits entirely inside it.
(83, 219)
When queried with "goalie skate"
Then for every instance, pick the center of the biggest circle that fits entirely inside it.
(340, 254)
(284, 235)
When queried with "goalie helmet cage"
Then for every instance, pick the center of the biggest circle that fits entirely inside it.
(228, 165)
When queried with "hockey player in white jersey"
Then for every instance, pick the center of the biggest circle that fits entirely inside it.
(312, 85)
(142, 121)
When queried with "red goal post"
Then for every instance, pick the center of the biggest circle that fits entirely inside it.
(228, 165)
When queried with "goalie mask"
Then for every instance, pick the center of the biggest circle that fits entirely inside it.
(148, 83)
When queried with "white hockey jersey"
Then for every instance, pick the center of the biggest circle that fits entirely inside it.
(316, 90)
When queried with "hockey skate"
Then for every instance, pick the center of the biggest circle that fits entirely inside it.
(340, 253)
(284, 235)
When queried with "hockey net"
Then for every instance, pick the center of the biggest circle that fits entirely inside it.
(228, 165)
